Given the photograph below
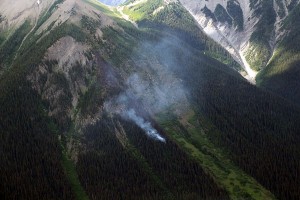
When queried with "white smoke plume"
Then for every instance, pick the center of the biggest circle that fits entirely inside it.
(120, 105)
(146, 126)
(153, 87)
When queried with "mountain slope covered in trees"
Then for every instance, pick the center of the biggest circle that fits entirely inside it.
(134, 102)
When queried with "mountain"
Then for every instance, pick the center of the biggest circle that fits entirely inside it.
(250, 30)
(260, 35)
(137, 102)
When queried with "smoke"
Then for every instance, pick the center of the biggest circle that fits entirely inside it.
(153, 87)
(146, 126)
(121, 105)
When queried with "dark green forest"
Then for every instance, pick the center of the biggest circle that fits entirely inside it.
(30, 155)
(256, 130)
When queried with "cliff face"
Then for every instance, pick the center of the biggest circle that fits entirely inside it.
(249, 30)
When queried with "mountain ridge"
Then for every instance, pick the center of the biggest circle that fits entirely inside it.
(241, 43)
(84, 90)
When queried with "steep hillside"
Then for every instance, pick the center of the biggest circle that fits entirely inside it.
(260, 35)
(281, 75)
(135, 102)
(77, 58)
(249, 30)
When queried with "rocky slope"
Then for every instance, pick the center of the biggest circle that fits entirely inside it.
(96, 105)
(249, 30)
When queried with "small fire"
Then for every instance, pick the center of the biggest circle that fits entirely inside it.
(146, 126)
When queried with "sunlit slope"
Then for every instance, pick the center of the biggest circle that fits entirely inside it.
(282, 73)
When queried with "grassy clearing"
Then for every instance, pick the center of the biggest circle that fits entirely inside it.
(142, 10)
(103, 8)
(134, 15)
(72, 175)
(68, 164)
(191, 134)
(73, 178)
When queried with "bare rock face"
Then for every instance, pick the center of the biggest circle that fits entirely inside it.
(72, 11)
(16, 12)
(68, 66)
(67, 52)
(62, 76)
(236, 25)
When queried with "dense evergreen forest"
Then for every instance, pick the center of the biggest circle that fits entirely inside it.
(30, 155)
(257, 131)
(145, 170)
(265, 142)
